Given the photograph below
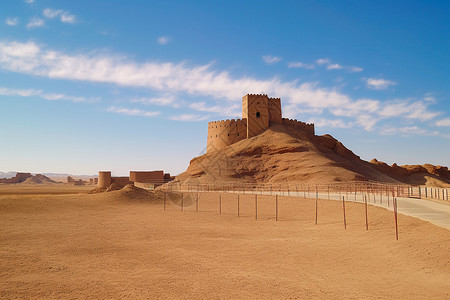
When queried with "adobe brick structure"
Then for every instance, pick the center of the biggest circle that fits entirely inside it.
(19, 178)
(139, 178)
(259, 112)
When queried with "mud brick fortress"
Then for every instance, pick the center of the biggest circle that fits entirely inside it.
(259, 112)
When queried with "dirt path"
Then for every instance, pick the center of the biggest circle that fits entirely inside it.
(94, 246)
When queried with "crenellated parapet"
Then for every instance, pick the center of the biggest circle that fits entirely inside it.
(226, 132)
(306, 127)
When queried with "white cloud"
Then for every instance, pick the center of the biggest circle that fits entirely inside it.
(35, 22)
(29, 1)
(407, 131)
(163, 40)
(52, 13)
(68, 18)
(379, 83)
(12, 21)
(323, 61)
(297, 64)
(409, 110)
(322, 122)
(269, 59)
(201, 80)
(443, 122)
(229, 110)
(64, 16)
(189, 118)
(334, 67)
(355, 69)
(39, 93)
(132, 112)
(162, 101)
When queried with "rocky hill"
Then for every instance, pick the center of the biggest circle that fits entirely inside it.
(282, 154)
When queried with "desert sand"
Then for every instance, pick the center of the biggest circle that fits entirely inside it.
(123, 244)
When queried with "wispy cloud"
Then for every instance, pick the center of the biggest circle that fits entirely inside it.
(64, 16)
(12, 21)
(270, 60)
(39, 93)
(35, 22)
(334, 67)
(337, 123)
(379, 83)
(323, 61)
(407, 131)
(189, 118)
(298, 64)
(202, 80)
(132, 111)
(164, 40)
(355, 69)
(29, 1)
(162, 101)
(229, 110)
(443, 122)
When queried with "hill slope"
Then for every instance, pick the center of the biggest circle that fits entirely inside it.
(282, 154)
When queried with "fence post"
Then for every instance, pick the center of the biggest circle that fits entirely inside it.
(238, 204)
(365, 205)
(276, 208)
(395, 216)
(182, 201)
(220, 204)
(196, 204)
(343, 207)
(256, 207)
(317, 196)
(165, 196)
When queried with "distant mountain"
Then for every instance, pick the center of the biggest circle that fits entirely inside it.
(7, 174)
(62, 177)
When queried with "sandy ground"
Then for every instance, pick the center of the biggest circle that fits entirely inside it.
(102, 246)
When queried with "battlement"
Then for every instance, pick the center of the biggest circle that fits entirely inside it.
(306, 127)
(227, 123)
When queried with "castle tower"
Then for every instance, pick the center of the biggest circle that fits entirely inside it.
(255, 109)
(104, 179)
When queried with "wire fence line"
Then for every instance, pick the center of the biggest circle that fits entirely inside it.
(234, 199)
(356, 190)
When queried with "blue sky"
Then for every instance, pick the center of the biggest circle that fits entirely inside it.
(131, 85)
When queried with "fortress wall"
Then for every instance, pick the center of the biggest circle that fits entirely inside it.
(104, 179)
(226, 132)
(122, 180)
(305, 127)
(275, 110)
(147, 177)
